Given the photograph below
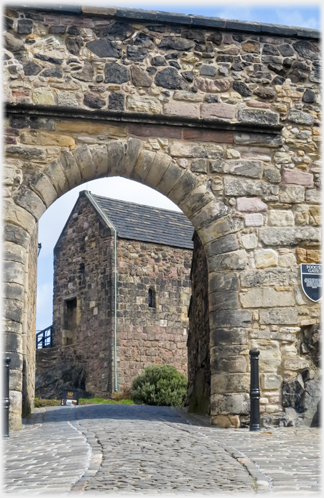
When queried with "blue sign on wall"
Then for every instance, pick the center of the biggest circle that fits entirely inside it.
(311, 280)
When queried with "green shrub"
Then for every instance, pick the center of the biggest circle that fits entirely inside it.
(41, 403)
(160, 385)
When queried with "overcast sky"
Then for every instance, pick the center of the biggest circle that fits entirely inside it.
(53, 220)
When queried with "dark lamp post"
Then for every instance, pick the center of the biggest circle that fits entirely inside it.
(255, 391)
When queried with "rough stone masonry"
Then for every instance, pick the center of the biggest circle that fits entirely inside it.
(220, 116)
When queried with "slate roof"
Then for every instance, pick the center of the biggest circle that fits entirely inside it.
(146, 223)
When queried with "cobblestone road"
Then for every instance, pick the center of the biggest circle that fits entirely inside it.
(97, 449)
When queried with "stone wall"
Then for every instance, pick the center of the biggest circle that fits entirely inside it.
(220, 116)
(83, 270)
(151, 335)
(198, 336)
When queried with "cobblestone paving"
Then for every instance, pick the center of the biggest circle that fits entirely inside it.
(140, 449)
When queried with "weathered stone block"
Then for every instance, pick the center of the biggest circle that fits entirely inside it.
(253, 169)
(223, 301)
(199, 197)
(169, 179)
(273, 276)
(55, 173)
(249, 241)
(219, 110)
(243, 187)
(83, 157)
(286, 236)
(280, 218)
(181, 109)
(13, 252)
(219, 228)
(225, 244)
(42, 186)
(13, 272)
(99, 157)
(253, 220)
(230, 404)
(266, 297)
(182, 149)
(236, 364)
(132, 156)
(270, 381)
(116, 157)
(18, 216)
(313, 196)
(160, 165)
(297, 177)
(230, 318)
(250, 205)
(257, 116)
(36, 137)
(236, 260)
(187, 183)
(28, 200)
(279, 316)
(199, 165)
(315, 215)
(265, 258)
(292, 193)
(223, 383)
(300, 117)
(231, 336)
(296, 363)
(149, 105)
(258, 139)
(70, 168)
(143, 165)
(16, 234)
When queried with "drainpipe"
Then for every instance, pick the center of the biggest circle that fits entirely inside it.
(109, 223)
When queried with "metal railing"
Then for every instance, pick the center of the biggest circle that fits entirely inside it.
(44, 338)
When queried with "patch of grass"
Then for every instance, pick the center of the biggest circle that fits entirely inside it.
(96, 401)
(40, 403)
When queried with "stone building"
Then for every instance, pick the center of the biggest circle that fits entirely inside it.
(222, 117)
(153, 258)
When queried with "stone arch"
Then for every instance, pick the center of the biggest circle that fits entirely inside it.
(211, 218)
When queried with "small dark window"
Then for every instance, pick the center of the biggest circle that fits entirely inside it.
(70, 324)
(151, 298)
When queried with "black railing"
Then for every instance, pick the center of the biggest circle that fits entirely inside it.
(44, 338)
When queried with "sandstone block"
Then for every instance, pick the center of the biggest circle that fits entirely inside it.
(181, 109)
(271, 276)
(159, 167)
(222, 282)
(131, 157)
(219, 110)
(250, 205)
(243, 187)
(16, 234)
(67, 99)
(230, 318)
(225, 421)
(297, 177)
(212, 86)
(199, 197)
(280, 218)
(279, 316)
(237, 364)
(43, 97)
(286, 236)
(13, 252)
(270, 355)
(116, 157)
(28, 200)
(36, 137)
(219, 228)
(239, 167)
(249, 241)
(253, 220)
(302, 214)
(26, 153)
(292, 193)
(15, 410)
(169, 179)
(266, 298)
(187, 183)
(42, 186)
(231, 336)
(223, 383)
(270, 381)
(18, 216)
(13, 272)
(100, 161)
(199, 165)
(313, 196)
(70, 168)
(223, 301)
(230, 404)
(225, 244)
(296, 363)
(13, 310)
(183, 149)
(315, 215)
(257, 116)
(236, 260)
(143, 165)
(149, 105)
(83, 157)
(287, 260)
(55, 173)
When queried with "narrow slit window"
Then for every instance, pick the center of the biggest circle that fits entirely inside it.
(151, 298)
(70, 324)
